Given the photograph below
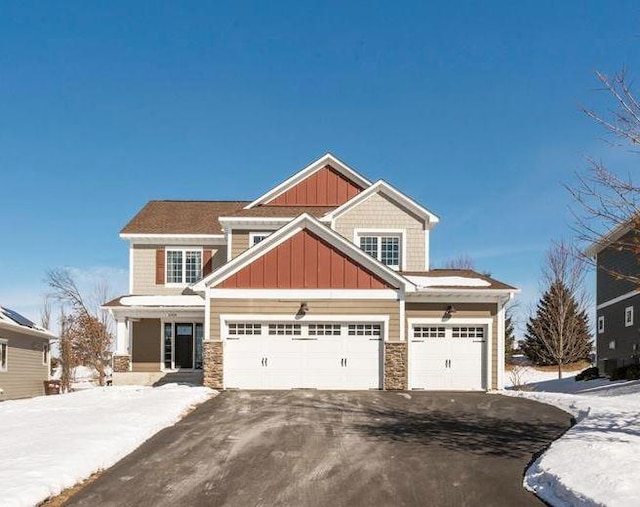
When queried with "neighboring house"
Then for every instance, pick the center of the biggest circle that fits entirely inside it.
(24, 356)
(617, 298)
(322, 282)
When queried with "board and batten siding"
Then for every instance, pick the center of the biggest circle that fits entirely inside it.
(289, 308)
(415, 310)
(144, 269)
(378, 212)
(147, 342)
(25, 369)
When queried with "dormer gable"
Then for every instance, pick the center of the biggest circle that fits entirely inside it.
(325, 182)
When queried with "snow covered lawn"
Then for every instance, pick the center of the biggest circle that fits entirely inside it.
(597, 462)
(50, 443)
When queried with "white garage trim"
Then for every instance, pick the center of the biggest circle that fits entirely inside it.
(460, 321)
(501, 345)
(303, 294)
(307, 319)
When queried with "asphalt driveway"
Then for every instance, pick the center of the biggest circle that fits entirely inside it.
(320, 448)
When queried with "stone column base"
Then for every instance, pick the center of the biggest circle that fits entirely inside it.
(395, 366)
(213, 357)
(121, 363)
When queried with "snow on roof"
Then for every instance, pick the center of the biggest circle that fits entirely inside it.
(447, 281)
(181, 300)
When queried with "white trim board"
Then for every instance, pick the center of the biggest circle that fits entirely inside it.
(618, 299)
(303, 294)
(327, 159)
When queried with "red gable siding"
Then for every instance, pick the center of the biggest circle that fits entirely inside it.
(326, 187)
(304, 262)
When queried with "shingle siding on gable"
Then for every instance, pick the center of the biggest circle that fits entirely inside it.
(378, 212)
(144, 269)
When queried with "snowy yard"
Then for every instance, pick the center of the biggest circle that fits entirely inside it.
(50, 443)
(596, 462)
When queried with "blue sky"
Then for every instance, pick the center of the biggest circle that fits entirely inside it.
(469, 107)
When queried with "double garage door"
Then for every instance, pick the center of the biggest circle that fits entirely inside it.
(447, 357)
(327, 355)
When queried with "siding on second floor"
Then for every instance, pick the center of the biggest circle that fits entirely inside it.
(380, 214)
(613, 260)
(144, 268)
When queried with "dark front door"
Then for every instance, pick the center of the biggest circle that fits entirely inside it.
(184, 346)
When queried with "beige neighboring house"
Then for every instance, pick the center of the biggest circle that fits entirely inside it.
(322, 282)
(24, 356)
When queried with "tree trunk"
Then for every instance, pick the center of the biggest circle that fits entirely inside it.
(559, 370)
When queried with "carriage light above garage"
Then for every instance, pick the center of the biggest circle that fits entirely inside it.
(449, 312)
(304, 308)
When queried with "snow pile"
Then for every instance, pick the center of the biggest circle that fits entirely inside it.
(447, 281)
(50, 443)
(598, 460)
(179, 300)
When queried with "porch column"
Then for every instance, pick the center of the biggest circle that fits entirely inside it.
(121, 358)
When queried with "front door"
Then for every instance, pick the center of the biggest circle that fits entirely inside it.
(184, 346)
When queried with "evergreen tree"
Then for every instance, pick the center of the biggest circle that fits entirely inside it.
(509, 338)
(558, 334)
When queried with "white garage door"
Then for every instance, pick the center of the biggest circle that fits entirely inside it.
(447, 357)
(287, 356)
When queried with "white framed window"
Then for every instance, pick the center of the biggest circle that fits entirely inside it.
(285, 329)
(4, 355)
(244, 328)
(364, 329)
(428, 332)
(324, 329)
(601, 324)
(628, 316)
(45, 354)
(257, 237)
(612, 345)
(183, 265)
(387, 247)
(467, 332)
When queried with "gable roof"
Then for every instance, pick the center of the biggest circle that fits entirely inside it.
(303, 222)
(281, 211)
(612, 236)
(327, 159)
(392, 193)
(10, 319)
(181, 217)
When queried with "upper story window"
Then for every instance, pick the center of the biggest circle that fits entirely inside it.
(386, 247)
(628, 316)
(601, 324)
(257, 237)
(184, 265)
(4, 352)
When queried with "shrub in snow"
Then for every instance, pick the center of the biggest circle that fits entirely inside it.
(628, 372)
(589, 374)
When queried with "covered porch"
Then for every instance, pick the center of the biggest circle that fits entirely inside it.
(158, 339)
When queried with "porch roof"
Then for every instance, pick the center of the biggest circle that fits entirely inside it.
(177, 301)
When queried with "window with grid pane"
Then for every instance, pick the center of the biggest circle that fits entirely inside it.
(193, 266)
(370, 245)
(390, 251)
(428, 332)
(364, 329)
(324, 329)
(285, 329)
(384, 247)
(467, 332)
(244, 328)
(4, 350)
(183, 265)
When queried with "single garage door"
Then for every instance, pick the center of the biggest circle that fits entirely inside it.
(447, 357)
(327, 355)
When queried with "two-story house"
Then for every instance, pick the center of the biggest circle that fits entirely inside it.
(617, 297)
(322, 282)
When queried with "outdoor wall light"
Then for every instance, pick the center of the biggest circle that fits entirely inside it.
(304, 308)
(449, 312)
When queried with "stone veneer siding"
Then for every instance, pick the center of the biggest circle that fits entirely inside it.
(395, 366)
(212, 358)
(121, 363)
